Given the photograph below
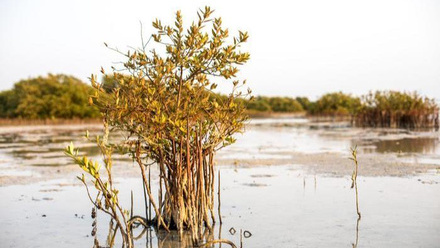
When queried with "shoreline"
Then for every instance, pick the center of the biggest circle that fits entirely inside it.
(47, 122)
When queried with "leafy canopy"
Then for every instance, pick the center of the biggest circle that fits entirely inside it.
(166, 94)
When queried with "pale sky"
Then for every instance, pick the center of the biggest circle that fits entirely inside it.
(298, 48)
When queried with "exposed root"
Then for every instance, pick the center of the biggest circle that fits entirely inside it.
(141, 220)
(218, 241)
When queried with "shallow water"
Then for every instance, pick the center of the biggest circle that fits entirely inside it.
(284, 205)
(406, 145)
(269, 139)
(263, 139)
(281, 206)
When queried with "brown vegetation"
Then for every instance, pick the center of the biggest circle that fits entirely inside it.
(397, 109)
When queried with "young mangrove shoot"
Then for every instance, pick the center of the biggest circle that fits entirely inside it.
(354, 178)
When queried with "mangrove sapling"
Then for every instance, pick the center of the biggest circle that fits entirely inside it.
(166, 104)
(354, 185)
(354, 178)
(106, 199)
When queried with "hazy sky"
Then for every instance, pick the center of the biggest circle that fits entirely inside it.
(297, 47)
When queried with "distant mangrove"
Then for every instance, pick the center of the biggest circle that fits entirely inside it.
(58, 96)
(397, 109)
(49, 97)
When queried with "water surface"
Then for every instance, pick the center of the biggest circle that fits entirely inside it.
(284, 205)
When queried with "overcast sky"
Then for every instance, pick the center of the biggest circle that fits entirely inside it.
(297, 47)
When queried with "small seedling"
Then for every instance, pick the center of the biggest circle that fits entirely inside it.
(354, 177)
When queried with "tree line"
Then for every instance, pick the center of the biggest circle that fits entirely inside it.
(49, 97)
(66, 97)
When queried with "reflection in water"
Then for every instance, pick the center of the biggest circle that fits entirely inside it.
(163, 239)
(44, 145)
(355, 244)
(406, 145)
(111, 234)
(171, 239)
(220, 232)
